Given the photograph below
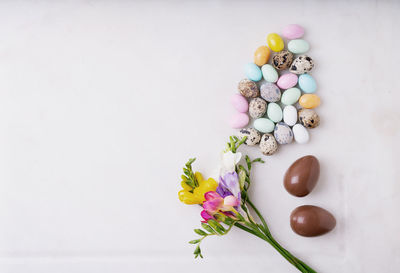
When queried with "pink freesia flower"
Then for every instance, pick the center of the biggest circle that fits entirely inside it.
(215, 203)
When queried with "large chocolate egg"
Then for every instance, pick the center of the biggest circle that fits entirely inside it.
(310, 221)
(302, 176)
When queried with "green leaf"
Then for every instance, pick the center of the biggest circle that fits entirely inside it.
(197, 250)
(242, 178)
(229, 221)
(193, 242)
(258, 160)
(200, 232)
(208, 228)
(216, 226)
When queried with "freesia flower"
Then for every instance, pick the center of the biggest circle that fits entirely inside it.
(196, 196)
(229, 185)
(228, 162)
(215, 203)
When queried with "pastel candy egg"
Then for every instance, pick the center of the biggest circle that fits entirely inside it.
(309, 101)
(283, 134)
(269, 73)
(239, 120)
(240, 103)
(264, 125)
(290, 115)
(261, 55)
(298, 46)
(300, 133)
(268, 145)
(307, 83)
(275, 42)
(291, 96)
(293, 31)
(274, 112)
(270, 92)
(252, 72)
(287, 81)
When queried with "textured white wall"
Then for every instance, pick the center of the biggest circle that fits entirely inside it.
(101, 103)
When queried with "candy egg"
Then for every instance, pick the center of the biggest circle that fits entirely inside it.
(298, 46)
(270, 92)
(310, 221)
(290, 115)
(261, 55)
(283, 134)
(252, 72)
(275, 42)
(309, 118)
(248, 88)
(240, 103)
(302, 176)
(239, 120)
(290, 96)
(253, 136)
(307, 83)
(287, 81)
(293, 31)
(302, 64)
(268, 145)
(257, 107)
(264, 125)
(274, 112)
(309, 101)
(300, 133)
(269, 73)
(282, 60)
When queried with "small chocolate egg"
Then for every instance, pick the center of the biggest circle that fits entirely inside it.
(248, 88)
(257, 107)
(309, 118)
(310, 221)
(282, 60)
(302, 176)
(253, 136)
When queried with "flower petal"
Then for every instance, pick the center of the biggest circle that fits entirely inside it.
(210, 195)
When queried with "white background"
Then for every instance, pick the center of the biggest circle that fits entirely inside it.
(101, 104)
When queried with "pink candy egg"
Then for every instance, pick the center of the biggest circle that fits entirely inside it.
(240, 103)
(239, 120)
(287, 81)
(293, 32)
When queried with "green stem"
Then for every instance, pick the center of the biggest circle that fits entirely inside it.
(262, 231)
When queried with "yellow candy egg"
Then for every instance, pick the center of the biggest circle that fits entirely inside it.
(309, 101)
(275, 42)
(261, 55)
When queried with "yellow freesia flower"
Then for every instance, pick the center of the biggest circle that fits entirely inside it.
(197, 197)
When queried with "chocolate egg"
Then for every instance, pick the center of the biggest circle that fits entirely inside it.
(302, 176)
(310, 221)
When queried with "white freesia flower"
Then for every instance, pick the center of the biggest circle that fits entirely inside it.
(228, 162)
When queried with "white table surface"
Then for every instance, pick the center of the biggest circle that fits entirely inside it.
(101, 103)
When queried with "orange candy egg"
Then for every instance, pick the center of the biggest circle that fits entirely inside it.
(261, 55)
(309, 101)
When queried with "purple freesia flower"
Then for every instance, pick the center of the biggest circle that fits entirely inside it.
(229, 185)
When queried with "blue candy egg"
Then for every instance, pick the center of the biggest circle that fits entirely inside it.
(253, 72)
(307, 83)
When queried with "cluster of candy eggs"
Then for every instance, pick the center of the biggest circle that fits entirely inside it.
(279, 97)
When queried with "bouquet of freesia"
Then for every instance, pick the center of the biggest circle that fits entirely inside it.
(226, 203)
